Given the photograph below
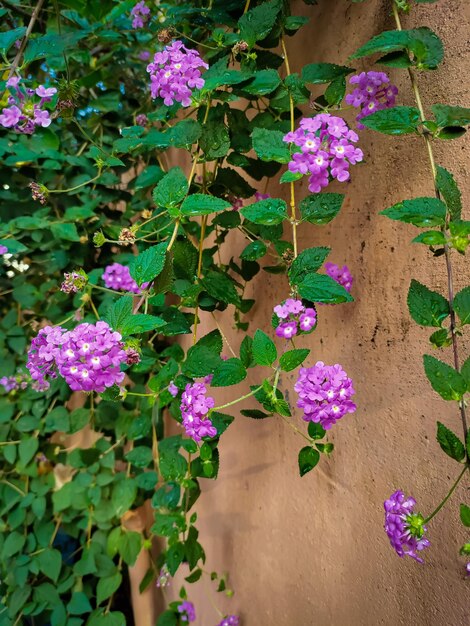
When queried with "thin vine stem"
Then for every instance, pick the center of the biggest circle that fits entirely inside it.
(245, 397)
(447, 251)
(24, 41)
(451, 491)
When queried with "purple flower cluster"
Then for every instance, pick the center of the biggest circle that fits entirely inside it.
(174, 73)
(404, 528)
(324, 393)
(118, 277)
(88, 357)
(230, 620)
(173, 389)
(261, 196)
(141, 119)
(237, 203)
(340, 275)
(195, 406)
(141, 14)
(163, 578)
(188, 614)
(74, 281)
(373, 93)
(17, 381)
(294, 318)
(3, 250)
(325, 150)
(25, 111)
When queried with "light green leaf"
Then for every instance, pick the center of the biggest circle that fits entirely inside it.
(321, 288)
(264, 349)
(148, 264)
(445, 380)
(462, 305)
(8, 38)
(450, 115)
(202, 204)
(266, 212)
(171, 190)
(446, 184)
(465, 515)
(293, 358)
(229, 372)
(257, 23)
(50, 563)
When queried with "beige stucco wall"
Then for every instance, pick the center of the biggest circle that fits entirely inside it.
(312, 551)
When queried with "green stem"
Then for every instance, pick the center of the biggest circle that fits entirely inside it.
(295, 429)
(248, 395)
(452, 489)
(87, 182)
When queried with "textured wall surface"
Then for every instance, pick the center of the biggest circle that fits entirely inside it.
(312, 551)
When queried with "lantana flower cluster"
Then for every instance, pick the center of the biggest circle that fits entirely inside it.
(325, 393)
(140, 14)
(373, 92)
(326, 150)
(404, 528)
(294, 318)
(15, 382)
(25, 110)
(188, 613)
(118, 277)
(175, 72)
(230, 620)
(195, 406)
(88, 357)
(341, 275)
(74, 281)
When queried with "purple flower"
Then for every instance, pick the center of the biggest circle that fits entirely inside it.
(144, 55)
(24, 114)
(10, 116)
(237, 203)
(13, 82)
(404, 528)
(188, 614)
(15, 382)
(174, 73)
(118, 277)
(340, 275)
(373, 92)
(467, 567)
(324, 394)
(195, 406)
(323, 149)
(173, 389)
(141, 119)
(3, 250)
(261, 196)
(294, 318)
(41, 356)
(230, 620)
(141, 14)
(45, 92)
(164, 578)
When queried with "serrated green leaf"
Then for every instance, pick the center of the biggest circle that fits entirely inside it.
(451, 116)
(264, 349)
(321, 208)
(465, 515)
(308, 459)
(8, 38)
(257, 23)
(148, 264)
(450, 443)
(266, 212)
(320, 73)
(445, 380)
(462, 305)
(172, 189)
(254, 250)
(399, 120)
(321, 288)
(269, 145)
(446, 184)
(263, 82)
(293, 358)
(426, 307)
(202, 204)
(422, 212)
(229, 372)
(255, 414)
(430, 238)
(308, 261)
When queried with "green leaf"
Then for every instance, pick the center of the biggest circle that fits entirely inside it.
(465, 515)
(14, 542)
(422, 42)
(462, 305)
(446, 184)
(321, 288)
(148, 264)
(266, 212)
(450, 116)
(254, 250)
(257, 23)
(399, 120)
(255, 414)
(79, 604)
(130, 544)
(320, 73)
(269, 145)
(450, 443)
(263, 82)
(51, 45)
(107, 586)
(290, 177)
(167, 618)
(465, 371)
(200, 361)
(123, 496)
(431, 238)
(293, 358)
(316, 431)
(67, 232)
(27, 449)
(50, 563)
(308, 262)
(229, 372)
(8, 38)
(264, 349)
(171, 190)
(151, 175)
(308, 458)
(221, 287)
(174, 557)
(118, 314)
(321, 208)
(427, 307)
(444, 379)
(140, 323)
(202, 204)
(140, 456)
(421, 212)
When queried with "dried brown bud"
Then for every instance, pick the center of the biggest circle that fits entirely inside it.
(146, 214)
(39, 192)
(165, 35)
(126, 237)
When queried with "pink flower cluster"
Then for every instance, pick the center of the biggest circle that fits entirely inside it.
(174, 73)
(118, 277)
(17, 381)
(25, 111)
(374, 92)
(294, 318)
(74, 282)
(325, 393)
(141, 14)
(404, 528)
(325, 150)
(230, 620)
(188, 613)
(88, 357)
(195, 406)
(341, 275)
